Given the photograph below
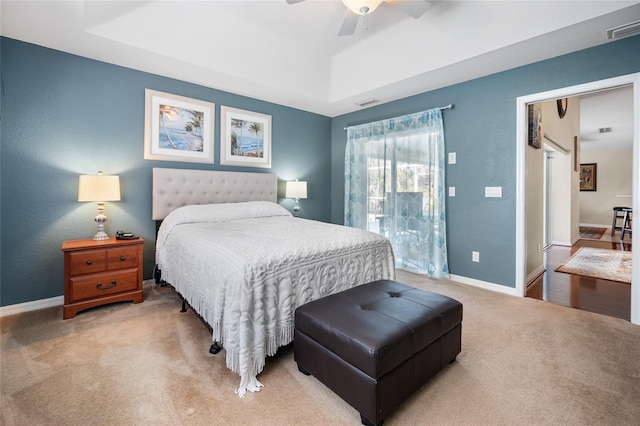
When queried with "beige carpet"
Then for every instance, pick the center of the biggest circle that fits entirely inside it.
(607, 264)
(523, 362)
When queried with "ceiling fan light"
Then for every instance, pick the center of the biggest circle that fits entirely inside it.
(357, 6)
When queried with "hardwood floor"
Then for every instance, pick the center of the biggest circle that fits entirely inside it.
(590, 294)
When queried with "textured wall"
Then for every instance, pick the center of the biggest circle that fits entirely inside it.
(64, 115)
(614, 178)
(482, 131)
(565, 181)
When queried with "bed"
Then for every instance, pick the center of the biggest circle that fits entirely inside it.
(244, 263)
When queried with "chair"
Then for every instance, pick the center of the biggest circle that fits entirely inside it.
(625, 214)
(626, 222)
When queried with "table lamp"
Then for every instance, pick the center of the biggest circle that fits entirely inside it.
(296, 189)
(99, 188)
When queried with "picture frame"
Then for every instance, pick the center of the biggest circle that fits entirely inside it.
(178, 128)
(245, 138)
(588, 176)
(535, 125)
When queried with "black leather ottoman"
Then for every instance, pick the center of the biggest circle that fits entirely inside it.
(375, 344)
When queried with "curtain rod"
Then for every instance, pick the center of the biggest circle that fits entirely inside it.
(450, 106)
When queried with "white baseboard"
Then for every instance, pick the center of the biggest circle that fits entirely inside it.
(484, 284)
(19, 308)
(561, 243)
(535, 274)
(595, 225)
(59, 300)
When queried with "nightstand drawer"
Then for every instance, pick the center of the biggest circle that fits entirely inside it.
(87, 262)
(103, 284)
(122, 258)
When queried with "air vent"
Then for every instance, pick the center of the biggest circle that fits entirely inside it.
(367, 102)
(604, 129)
(626, 30)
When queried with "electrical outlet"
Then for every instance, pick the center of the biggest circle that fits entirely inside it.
(452, 158)
(539, 248)
(452, 191)
(475, 256)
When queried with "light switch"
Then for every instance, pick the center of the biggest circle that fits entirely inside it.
(452, 158)
(452, 191)
(493, 191)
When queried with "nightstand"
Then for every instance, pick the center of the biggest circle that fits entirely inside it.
(101, 272)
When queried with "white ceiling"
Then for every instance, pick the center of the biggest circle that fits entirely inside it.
(609, 108)
(291, 54)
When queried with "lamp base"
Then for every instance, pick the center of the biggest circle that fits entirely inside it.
(101, 235)
(296, 208)
(100, 219)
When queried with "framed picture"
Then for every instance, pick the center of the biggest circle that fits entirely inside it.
(178, 128)
(535, 125)
(588, 176)
(245, 138)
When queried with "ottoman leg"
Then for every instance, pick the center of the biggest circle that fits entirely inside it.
(366, 421)
(303, 371)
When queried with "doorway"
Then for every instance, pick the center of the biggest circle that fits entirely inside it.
(521, 218)
(611, 152)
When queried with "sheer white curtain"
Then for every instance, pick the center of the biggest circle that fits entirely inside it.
(394, 186)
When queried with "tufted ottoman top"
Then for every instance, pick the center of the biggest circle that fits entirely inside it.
(377, 326)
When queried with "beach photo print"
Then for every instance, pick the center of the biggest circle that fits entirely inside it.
(178, 128)
(245, 138)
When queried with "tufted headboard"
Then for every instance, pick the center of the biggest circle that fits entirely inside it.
(173, 188)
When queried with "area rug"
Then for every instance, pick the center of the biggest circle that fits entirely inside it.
(591, 233)
(613, 265)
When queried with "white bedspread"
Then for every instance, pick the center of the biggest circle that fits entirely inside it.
(246, 267)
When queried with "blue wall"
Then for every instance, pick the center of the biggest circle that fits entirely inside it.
(64, 115)
(482, 131)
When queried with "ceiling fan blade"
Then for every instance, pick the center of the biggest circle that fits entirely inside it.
(349, 23)
(294, 1)
(413, 8)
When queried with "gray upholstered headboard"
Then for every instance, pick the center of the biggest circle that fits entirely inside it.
(173, 188)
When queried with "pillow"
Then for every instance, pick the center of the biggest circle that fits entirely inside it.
(213, 213)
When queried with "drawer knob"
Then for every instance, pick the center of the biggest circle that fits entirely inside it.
(89, 262)
(122, 258)
(100, 287)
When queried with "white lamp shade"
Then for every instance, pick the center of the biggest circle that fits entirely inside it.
(296, 189)
(99, 188)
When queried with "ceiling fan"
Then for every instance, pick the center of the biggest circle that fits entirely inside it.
(357, 9)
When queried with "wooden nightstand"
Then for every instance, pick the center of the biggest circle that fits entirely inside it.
(101, 272)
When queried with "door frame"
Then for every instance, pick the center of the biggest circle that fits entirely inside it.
(548, 190)
(521, 141)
